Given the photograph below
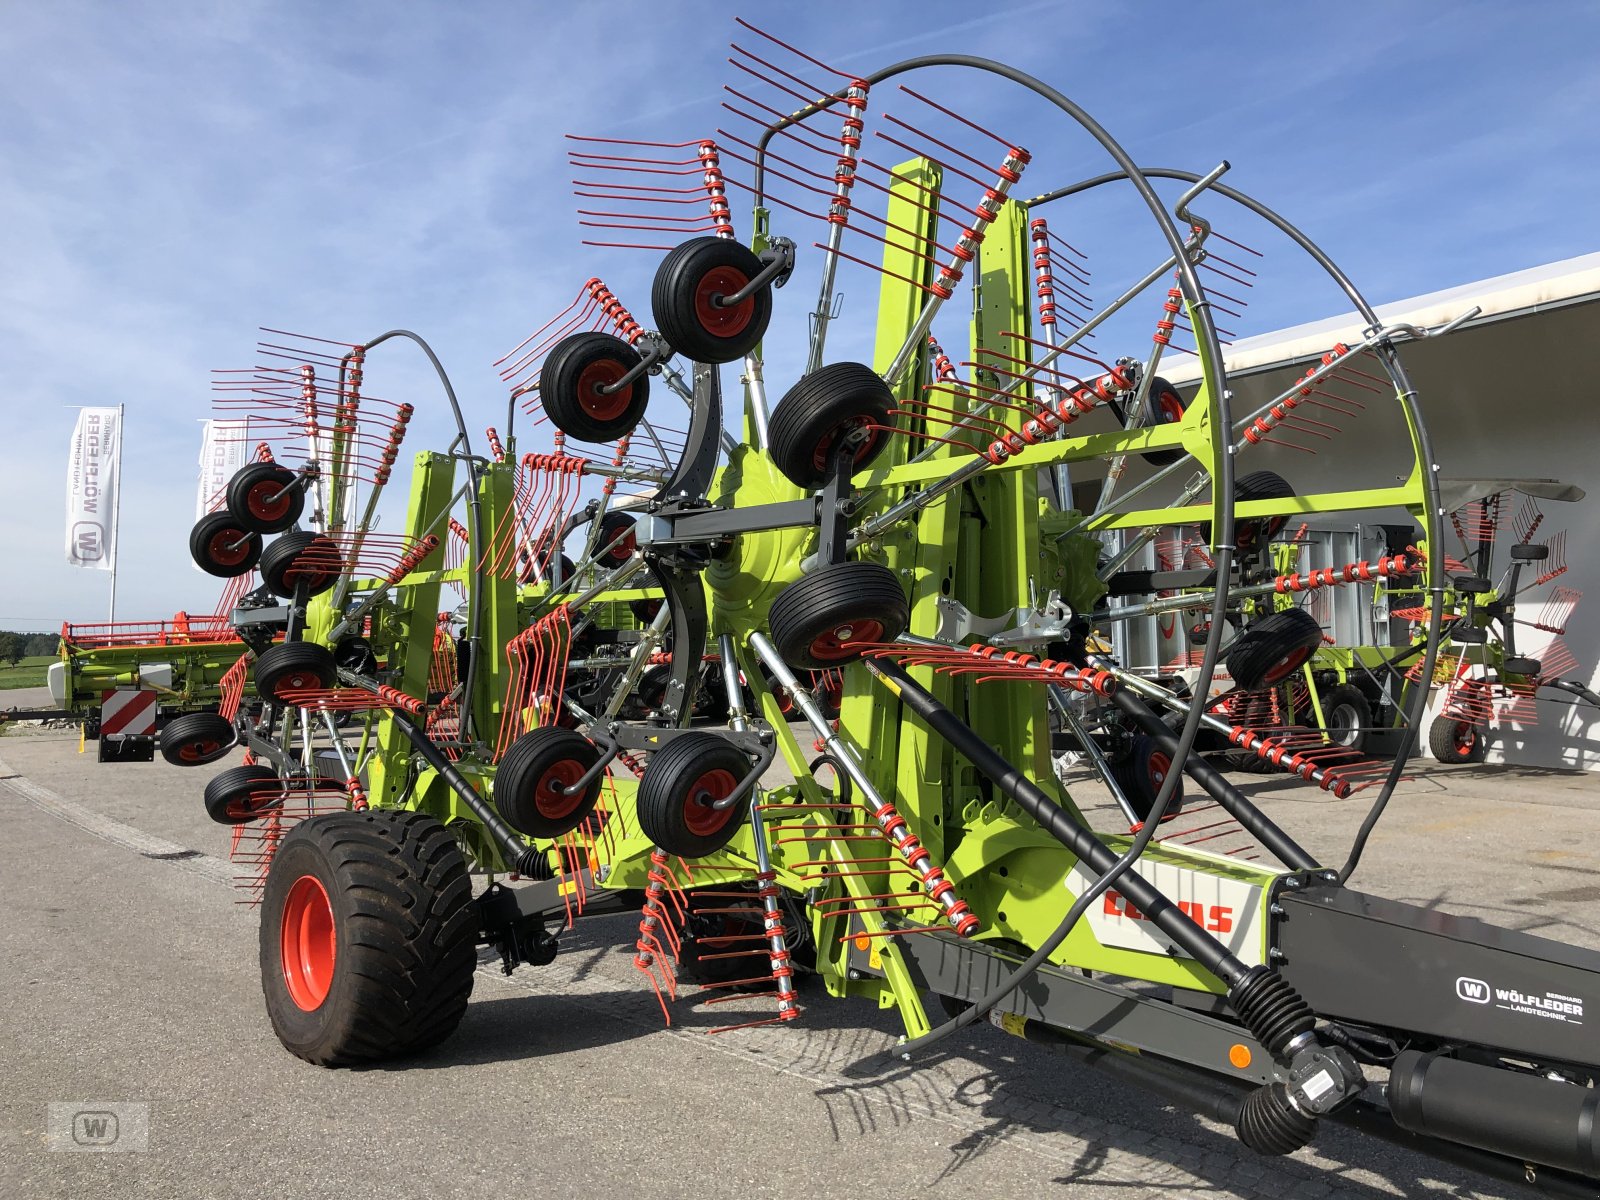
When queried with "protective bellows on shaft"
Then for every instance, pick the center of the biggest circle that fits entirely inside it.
(1269, 1124)
(1270, 1008)
(534, 863)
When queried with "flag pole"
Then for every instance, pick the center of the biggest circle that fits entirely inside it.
(116, 515)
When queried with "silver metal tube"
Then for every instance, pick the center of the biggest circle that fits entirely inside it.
(648, 642)
(1092, 751)
(1077, 336)
(772, 915)
(756, 396)
(338, 745)
(844, 180)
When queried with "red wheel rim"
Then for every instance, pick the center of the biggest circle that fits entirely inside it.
(714, 319)
(307, 944)
(824, 453)
(223, 550)
(624, 549)
(1171, 406)
(195, 751)
(1466, 738)
(1286, 666)
(701, 819)
(845, 639)
(603, 406)
(1160, 764)
(550, 795)
(268, 500)
(295, 682)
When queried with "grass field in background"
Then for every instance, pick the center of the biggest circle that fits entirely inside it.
(27, 673)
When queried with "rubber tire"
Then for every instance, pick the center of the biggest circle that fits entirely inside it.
(289, 663)
(405, 927)
(693, 961)
(251, 511)
(612, 526)
(1162, 406)
(1254, 534)
(525, 771)
(811, 608)
(199, 730)
(204, 545)
(680, 300)
(1136, 774)
(1273, 648)
(1347, 699)
(297, 555)
(226, 789)
(1445, 737)
(667, 789)
(838, 400)
(356, 655)
(575, 367)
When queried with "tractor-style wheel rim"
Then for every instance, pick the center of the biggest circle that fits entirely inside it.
(713, 318)
(268, 500)
(701, 819)
(1342, 724)
(1466, 738)
(1286, 666)
(603, 406)
(307, 943)
(551, 797)
(845, 639)
(1170, 405)
(228, 547)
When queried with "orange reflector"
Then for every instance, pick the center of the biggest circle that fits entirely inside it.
(1239, 1055)
(862, 941)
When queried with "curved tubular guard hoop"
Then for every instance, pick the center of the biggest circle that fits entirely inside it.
(1421, 445)
(1221, 468)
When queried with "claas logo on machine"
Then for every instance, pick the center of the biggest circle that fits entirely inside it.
(1213, 918)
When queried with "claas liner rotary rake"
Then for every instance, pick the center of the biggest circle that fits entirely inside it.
(587, 722)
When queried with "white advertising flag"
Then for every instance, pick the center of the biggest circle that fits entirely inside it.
(92, 490)
(224, 448)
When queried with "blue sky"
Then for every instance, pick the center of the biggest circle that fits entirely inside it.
(173, 175)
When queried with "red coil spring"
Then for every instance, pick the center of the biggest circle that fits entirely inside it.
(495, 446)
(1269, 750)
(944, 370)
(844, 171)
(716, 190)
(1386, 567)
(412, 559)
(1074, 405)
(1263, 425)
(358, 794)
(1163, 333)
(1044, 277)
(614, 310)
(398, 699)
(391, 448)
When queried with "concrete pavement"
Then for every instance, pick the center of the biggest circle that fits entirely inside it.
(128, 972)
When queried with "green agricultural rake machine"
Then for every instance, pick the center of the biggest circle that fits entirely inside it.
(565, 681)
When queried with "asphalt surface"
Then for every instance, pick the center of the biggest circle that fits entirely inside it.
(128, 973)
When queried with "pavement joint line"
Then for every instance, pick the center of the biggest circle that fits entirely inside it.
(109, 829)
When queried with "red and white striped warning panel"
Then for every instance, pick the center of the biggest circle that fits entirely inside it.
(127, 712)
